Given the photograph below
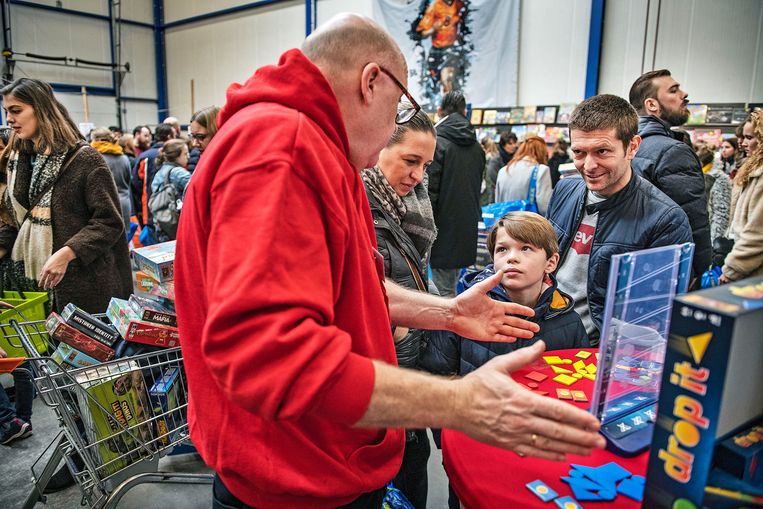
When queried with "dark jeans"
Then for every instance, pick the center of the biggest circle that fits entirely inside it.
(412, 479)
(224, 499)
(22, 378)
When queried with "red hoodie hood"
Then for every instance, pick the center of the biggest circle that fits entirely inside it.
(286, 84)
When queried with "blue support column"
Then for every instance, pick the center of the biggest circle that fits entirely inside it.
(161, 60)
(311, 14)
(594, 48)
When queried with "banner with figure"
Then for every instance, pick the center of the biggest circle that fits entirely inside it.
(468, 45)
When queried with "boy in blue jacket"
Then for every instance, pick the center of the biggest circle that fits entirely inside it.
(524, 246)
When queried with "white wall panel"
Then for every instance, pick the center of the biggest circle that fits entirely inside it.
(91, 6)
(218, 52)
(713, 48)
(180, 9)
(138, 49)
(54, 34)
(102, 111)
(138, 10)
(553, 48)
(325, 9)
(138, 113)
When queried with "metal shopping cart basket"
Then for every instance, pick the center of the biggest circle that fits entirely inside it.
(117, 418)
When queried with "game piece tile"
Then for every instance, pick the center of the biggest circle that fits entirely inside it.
(535, 376)
(589, 376)
(541, 393)
(597, 357)
(638, 479)
(559, 370)
(583, 354)
(591, 368)
(565, 379)
(553, 359)
(579, 396)
(541, 490)
(579, 365)
(524, 386)
(532, 385)
(567, 503)
(577, 375)
(631, 489)
(566, 361)
(562, 393)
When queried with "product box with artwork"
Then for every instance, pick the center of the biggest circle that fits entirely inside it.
(60, 330)
(157, 260)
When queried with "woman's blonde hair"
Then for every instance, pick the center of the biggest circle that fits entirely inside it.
(755, 159)
(102, 134)
(489, 146)
(170, 151)
(533, 147)
(127, 142)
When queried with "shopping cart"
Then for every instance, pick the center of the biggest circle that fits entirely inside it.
(117, 418)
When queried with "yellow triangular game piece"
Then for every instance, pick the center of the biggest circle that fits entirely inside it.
(559, 370)
(698, 345)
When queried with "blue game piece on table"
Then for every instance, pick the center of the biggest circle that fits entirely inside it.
(541, 490)
(567, 503)
(632, 488)
(639, 479)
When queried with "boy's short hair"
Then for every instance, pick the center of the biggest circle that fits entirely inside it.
(526, 227)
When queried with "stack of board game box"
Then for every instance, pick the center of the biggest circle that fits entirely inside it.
(84, 339)
(144, 320)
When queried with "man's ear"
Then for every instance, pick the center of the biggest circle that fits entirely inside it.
(551, 263)
(633, 146)
(652, 106)
(369, 78)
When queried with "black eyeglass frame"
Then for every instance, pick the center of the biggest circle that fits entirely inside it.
(407, 114)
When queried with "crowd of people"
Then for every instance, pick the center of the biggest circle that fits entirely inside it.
(318, 356)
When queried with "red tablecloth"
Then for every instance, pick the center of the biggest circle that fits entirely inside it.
(487, 477)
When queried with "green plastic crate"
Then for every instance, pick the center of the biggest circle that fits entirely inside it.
(33, 308)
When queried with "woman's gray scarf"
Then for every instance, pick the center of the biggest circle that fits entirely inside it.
(412, 212)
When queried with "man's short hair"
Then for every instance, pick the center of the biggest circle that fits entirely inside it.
(164, 132)
(528, 227)
(139, 128)
(644, 88)
(453, 102)
(508, 137)
(604, 112)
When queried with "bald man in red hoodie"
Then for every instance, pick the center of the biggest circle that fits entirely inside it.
(284, 313)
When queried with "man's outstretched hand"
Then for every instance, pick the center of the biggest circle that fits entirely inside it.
(476, 316)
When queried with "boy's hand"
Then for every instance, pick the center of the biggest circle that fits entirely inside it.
(476, 316)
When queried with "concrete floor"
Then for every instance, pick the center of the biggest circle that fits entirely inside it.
(17, 459)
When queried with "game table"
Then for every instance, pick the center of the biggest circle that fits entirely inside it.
(486, 477)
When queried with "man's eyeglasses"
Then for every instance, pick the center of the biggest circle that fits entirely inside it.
(198, 136)
(407, 113)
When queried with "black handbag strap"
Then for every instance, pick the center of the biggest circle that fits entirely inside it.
(68, 159)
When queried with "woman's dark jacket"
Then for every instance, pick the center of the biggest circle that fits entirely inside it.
(392, 243)
(560, 328)
(86, 217)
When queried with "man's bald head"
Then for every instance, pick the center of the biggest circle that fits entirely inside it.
(349, 41)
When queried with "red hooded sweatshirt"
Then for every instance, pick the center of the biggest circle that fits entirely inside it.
(280, 299)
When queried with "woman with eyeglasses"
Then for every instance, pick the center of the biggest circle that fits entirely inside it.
(203, 129)
(405, 231)
(61, 228)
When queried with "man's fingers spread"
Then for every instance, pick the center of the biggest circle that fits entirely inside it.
(562, 412)
(501, 338)
(512, 308)
(563, 433)
(508, 330)
(513, 321)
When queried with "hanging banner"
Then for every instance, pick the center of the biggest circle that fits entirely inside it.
(467, 45)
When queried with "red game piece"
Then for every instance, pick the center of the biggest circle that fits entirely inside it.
(541, 393)
(532, 385)
(563, 393)
(536, 377)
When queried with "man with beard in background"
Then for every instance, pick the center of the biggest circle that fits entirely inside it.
(666, 161)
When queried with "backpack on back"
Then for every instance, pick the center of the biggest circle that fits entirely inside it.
(165, 206)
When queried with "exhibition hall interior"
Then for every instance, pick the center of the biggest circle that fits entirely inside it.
(383, 254)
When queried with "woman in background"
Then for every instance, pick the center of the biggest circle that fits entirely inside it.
(127, 142)
(405, 232)
(746, 257)
(488, 181)
(514, 179)
(203, 129)
(61, 228)
(729, 149)
(559, 156)
(104, 141)
(172, 161)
